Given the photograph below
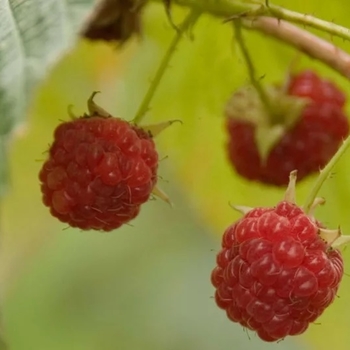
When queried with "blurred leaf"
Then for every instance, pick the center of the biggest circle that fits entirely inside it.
(34, 34)
(3, 345)
(142, 287)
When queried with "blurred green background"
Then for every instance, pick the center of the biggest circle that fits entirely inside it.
(147, 286)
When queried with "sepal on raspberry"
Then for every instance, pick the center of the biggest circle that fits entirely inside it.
(94, 109)
(156, 129)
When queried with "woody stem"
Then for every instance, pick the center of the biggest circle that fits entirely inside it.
(251, 70)
(144, 106)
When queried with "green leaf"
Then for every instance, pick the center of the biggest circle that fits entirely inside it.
(34, 34)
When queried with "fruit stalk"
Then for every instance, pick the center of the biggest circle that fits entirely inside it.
(304, 41)
(235, 8)
(186, 24)
(251, 70)
(221, 8)
(324, 174)
(308, 20)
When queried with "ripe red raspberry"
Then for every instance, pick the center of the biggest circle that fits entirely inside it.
(99, 171)
(266, 148)
(277, 271)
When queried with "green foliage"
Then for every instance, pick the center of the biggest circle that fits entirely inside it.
(34, 35)
(142, 287)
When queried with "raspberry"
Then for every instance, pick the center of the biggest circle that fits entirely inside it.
(99, 171)
(269, 148)
(277, 271)
(308, 84)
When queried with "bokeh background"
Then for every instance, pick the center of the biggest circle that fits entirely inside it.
(147, 286)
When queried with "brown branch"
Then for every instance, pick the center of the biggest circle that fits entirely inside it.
(304, 41)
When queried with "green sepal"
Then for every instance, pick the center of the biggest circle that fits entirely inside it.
(270, 125)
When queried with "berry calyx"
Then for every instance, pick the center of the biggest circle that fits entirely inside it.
(100, 170)
(278, 268)
(304, 130)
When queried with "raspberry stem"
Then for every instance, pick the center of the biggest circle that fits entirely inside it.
(308, 20)
(253, 9)
(304, 41)
(272, 20)
(324, 174)
(251, 70)
(186, 24)
(221, 8)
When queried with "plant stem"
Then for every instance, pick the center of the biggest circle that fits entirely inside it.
(220, 8)
(308, 20)
(304, 41)
(144, 106)
(251, 70)
(324, 173)
(229, 8)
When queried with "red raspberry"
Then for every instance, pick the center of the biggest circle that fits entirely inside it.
(99, 171)
(308, 84)
(306, 144)
(276, 273)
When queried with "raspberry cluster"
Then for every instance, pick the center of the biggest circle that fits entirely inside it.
(99, 172)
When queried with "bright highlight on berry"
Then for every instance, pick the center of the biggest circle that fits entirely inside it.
(100, 170)
(278, 269)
